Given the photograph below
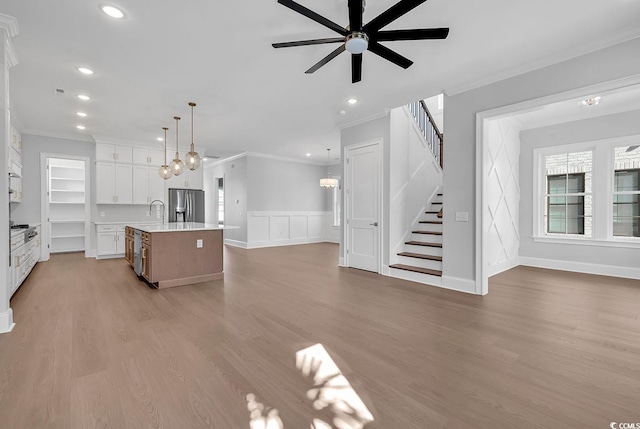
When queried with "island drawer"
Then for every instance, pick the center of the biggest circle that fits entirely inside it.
(146, 237)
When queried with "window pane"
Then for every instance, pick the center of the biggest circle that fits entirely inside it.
(627, 180)
(575, 183)
(626, 215)
(557, 184)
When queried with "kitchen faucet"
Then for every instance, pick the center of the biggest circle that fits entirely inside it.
(151, 205)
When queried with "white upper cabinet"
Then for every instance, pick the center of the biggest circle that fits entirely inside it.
(150, 157)
(114, 183)
(187, 180)
(114, 153)
(147, 185)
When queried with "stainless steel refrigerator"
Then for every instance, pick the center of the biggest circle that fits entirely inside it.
(186, 205)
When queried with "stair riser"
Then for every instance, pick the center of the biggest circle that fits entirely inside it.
(434, 251)
(428, 227)
(416, 277)
(422, 263)
(427, 237)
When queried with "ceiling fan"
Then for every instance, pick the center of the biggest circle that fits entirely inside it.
(359, 37)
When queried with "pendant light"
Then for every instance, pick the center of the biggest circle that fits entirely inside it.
(177, 166)
(191, 158)
(328, 182)
(165, 171)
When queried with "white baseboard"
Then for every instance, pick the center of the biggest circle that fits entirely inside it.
(6, 321)
(235, 243)
(90, 254)
(278, 243)
(341, 262)
(460, 285)
(503, 266)
(582, 267)
(411, 276)
(118, 255)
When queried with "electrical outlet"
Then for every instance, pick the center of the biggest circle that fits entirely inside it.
(462, 217)
(199, 244)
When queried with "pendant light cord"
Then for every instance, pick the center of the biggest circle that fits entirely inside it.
(177, 118)
(165, 144)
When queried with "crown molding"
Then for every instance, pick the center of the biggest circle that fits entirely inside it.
(74, 137)
(366, 119)
(265, 156)
(625, 35)
(10, 26)
(124, 142)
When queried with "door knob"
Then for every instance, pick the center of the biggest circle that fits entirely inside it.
(374, 224)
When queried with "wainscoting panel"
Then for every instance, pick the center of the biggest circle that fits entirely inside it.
(267, 229)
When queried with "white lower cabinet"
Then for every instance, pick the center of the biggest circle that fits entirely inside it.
(24, 256)
(110, 241)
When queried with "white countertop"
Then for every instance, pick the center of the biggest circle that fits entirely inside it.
(179, 226)
(127, 223)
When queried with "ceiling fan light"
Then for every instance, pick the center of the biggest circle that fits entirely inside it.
(357, 43)
(328, 182)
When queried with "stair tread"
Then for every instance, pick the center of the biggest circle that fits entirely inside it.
(435, 222)
(423, 243)
(417, 269)
(427, 232)
(420, 256)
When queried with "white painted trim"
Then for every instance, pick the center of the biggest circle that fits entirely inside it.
(582, 267)
(225, 160)
(279, 243)
(577, 241)
(460, 285)
(503, 266)
(131, 143)
(91, 254)
(45, 252)
(266, 156)
(626, 34)
(341, 262)
(65, 136)
(290, 236)
(416, 129)
(12, 56)
(235, 243)
(364, 120)
(6, 321)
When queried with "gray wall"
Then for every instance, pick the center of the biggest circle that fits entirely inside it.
(609, 64)
(235, 194)
(612, 126)
(277, 185)
(379, 128)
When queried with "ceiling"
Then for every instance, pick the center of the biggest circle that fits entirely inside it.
(253, 98)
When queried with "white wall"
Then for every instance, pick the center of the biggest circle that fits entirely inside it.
(605, 127)
(606, 65)
(234, 172)
(501, 171)
(414, 178)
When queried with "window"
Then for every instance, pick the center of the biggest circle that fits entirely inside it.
(626, 192)
(568, 193)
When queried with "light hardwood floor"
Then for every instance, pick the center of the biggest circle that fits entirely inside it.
(94, 347)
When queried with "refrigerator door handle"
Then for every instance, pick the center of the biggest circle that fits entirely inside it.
(189, 208)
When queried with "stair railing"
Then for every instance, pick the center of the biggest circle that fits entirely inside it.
(429, 129)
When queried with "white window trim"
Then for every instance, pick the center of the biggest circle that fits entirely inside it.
(602, 214)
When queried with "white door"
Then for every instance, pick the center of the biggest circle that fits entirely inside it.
(363, 207)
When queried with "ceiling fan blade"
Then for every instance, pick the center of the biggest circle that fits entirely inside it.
(308, 42)
(390, 55)
(356, 68)
(391, 14)
(355, 15)
(313, 16)
(326, 59)
(418, 34)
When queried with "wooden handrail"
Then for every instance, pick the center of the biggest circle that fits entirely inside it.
(433, 123)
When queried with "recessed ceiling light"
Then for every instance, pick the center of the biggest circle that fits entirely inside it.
(81, 114)
(84, 97)
(591, 101)
(112, 11)
(352, 101)
(80, 127)
(85, 70)
(308, 154)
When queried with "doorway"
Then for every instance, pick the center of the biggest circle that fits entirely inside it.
(219, 192)
(65, 204)
(363, 202)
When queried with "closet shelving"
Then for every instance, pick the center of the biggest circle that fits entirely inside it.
(66, 197)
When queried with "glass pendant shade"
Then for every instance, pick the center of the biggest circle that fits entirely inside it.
(328, 182)
(165, 171)
(192, 159)
(177, 166)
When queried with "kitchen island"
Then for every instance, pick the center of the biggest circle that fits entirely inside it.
(176, 253)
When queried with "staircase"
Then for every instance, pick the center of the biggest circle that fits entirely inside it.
(421, 258)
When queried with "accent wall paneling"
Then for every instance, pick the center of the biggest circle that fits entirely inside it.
(266, 229)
